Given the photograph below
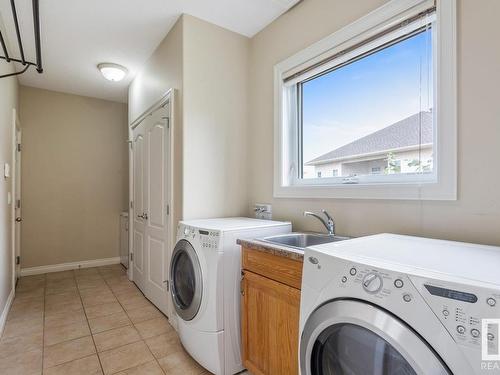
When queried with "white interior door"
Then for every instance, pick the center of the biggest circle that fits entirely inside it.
(156, 207)
(138, 210)
(17, 205)
(150, 238)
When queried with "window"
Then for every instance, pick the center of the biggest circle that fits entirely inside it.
(370, 104)
(393, 87)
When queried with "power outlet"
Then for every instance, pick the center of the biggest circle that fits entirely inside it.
(263, 211)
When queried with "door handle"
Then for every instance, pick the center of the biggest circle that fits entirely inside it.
(143, 216)
(18, 219)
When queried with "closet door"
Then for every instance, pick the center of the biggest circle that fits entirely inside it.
(156, 200)
(139, 218)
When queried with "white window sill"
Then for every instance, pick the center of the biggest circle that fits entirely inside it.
(411, 191)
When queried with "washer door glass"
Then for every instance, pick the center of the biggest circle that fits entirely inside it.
(186, 281)
(350, 337)
(347, 349)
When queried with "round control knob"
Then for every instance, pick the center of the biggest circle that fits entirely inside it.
(490, 336)
(398, 283)
(372, 283)
(344, 279)
(475, 332)
(491, 301)
(407, 297)
(461, 329)
(352, 271)
(446, 312)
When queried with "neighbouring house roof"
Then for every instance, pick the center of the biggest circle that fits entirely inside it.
(404, 133)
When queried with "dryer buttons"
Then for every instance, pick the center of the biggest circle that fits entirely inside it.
(398, 283)
(461, 329)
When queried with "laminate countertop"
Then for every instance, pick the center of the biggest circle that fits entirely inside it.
(282, 251)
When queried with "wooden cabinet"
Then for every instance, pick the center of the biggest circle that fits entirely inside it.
(270, 313)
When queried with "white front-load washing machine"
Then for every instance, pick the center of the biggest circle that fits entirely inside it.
(205, 276)
(390, 304)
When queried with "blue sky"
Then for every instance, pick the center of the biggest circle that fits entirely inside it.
(367, 95)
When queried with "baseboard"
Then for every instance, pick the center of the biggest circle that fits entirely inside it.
(69, 266)
(6, 309)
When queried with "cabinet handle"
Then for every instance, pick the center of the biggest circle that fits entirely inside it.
(242, 287)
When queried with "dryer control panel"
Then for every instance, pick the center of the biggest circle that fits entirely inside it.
(208, 239)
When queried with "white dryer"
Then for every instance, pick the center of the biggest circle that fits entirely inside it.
(390, 304)
(205, 276)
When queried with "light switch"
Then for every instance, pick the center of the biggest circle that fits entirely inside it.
(6, 170)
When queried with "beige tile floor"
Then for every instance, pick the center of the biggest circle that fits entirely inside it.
(89, 321)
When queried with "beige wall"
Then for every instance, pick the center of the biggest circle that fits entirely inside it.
(207, 65)
(215, 126)
(475, 216)
(75, 176)
(8, 101)
(163, 71)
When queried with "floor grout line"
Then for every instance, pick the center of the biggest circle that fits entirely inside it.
(88, 323)
(43, 319)
(108, 284)
(133, 324)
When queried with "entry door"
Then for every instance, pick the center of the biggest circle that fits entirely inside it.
(151, 193)
(138, 210)
(156, 200)
(17, 197)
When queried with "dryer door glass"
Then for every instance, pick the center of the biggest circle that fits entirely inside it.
(351, 349)
(186, 280)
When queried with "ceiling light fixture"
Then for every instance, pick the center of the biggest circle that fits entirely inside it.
(112, 72)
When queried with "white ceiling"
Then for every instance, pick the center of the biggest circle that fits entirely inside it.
(79, 34)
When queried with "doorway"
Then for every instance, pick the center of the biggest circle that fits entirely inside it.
(151, 228)
(16, 196)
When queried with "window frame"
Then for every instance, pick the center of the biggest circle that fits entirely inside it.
(441, 184)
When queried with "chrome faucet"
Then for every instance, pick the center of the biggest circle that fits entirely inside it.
(329, 223)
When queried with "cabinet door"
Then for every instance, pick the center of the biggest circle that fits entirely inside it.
(270, 326)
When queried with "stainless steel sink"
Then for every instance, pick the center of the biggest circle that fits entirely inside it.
(303, 240)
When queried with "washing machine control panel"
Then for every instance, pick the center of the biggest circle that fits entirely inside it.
(461, 309)
(377, 283)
